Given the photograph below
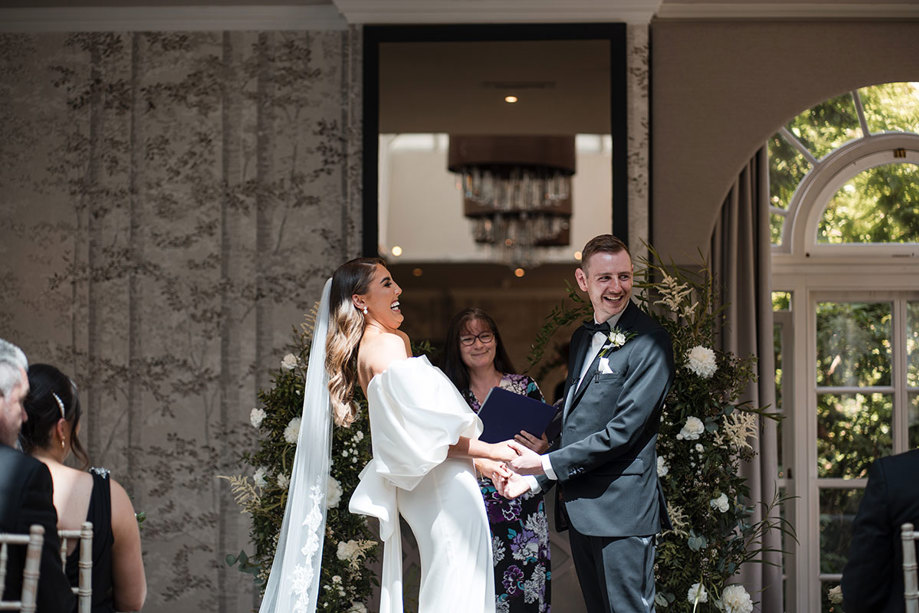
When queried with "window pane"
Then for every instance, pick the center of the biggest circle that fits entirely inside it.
(828, 125)
(779, 369)
(891, 107)
(912, 344)
(853, 344)
(781, 301)
(787, 168)
(853, 431)
(837, 512)
(913, 418)
(879, 205)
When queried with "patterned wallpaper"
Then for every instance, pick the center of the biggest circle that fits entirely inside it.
(171, 204)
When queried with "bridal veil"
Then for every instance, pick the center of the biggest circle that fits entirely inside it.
(293, 584)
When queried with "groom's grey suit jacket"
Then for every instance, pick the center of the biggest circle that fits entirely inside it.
(606, 462)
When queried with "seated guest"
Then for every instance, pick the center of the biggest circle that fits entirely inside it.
(872, 581)
(25, 494)
(476, 361)
(50, 434)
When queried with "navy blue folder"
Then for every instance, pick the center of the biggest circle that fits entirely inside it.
(505, 414)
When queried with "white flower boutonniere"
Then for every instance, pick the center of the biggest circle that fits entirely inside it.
(616, 339)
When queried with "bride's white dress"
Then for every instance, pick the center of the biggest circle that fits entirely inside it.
(415, 415)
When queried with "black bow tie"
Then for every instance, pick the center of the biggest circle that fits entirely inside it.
(594, 328)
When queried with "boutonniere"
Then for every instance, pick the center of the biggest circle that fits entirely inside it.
(616, 339)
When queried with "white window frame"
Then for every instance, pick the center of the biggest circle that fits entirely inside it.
(812, 271)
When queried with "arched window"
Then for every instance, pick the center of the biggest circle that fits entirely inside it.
(844, 196)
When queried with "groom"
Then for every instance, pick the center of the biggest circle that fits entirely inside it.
(606, 464)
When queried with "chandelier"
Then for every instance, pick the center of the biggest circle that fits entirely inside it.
(516, 191)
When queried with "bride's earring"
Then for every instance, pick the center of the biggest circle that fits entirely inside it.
(365, 310)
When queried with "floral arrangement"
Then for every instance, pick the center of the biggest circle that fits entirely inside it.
(705, 434)
(349, 545)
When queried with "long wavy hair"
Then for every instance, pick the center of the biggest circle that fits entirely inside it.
(52, 396)
(346, 327)
(454, 367)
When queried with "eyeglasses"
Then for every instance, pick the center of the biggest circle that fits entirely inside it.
(486, 337)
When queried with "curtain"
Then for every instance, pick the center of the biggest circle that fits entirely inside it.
(741, 265)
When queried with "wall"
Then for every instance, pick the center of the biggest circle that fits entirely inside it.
(171, 204)
(721, 88)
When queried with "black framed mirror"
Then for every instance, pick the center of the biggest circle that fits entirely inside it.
(613, 38)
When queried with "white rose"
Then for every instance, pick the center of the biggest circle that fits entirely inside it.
(835, 594)
(701, 361)
(292, 431)
(289, 362)
(662, 468)
(255, 417)
(736, 600)
(259, 477)
(692, 429)
(357, 607)
(283, 481)
(333, 493)
(697, 593)
(720, 503)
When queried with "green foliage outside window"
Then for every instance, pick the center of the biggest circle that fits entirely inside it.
(880, 205)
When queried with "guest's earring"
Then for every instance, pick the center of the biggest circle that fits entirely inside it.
(62, 444)
(365, 310)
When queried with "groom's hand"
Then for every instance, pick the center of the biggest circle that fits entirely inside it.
(527, 462)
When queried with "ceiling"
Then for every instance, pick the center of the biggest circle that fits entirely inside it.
(470, 11)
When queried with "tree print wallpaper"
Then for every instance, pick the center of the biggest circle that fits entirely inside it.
(170, 205)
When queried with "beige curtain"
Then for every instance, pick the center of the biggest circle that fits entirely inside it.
(741, 263)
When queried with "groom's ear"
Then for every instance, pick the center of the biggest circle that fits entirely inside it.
(581, 277)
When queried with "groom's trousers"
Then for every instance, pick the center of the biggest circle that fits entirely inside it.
(616, 574)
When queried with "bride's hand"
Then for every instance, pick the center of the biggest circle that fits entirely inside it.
(492, 469)
(503, 452)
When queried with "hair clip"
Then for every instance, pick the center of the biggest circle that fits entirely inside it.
(60, 404)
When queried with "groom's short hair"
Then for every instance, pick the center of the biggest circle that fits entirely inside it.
(605, 243)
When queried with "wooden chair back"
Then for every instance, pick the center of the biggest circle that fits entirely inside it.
(84, 589)
(910, 579)
(33, 542)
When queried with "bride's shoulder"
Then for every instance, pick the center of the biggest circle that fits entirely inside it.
(380, 350)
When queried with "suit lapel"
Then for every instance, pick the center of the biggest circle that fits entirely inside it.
(580, 343)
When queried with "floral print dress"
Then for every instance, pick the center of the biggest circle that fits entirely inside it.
(519, 531)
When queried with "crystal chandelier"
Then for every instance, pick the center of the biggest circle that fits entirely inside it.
(516, 191)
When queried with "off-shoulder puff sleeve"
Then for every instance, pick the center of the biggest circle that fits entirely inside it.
(415, 415)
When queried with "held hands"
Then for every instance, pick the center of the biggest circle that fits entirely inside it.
(527, 462)
(511, 486)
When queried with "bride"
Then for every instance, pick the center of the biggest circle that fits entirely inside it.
(423, 438)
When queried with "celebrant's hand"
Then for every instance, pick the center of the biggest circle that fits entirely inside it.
(512, 486)
(528, 462)
(526, 439)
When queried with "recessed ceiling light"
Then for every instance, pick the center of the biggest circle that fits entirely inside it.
(510, 99)
(577, 255)
(417, 272)
(397, 251)
(519, 272)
